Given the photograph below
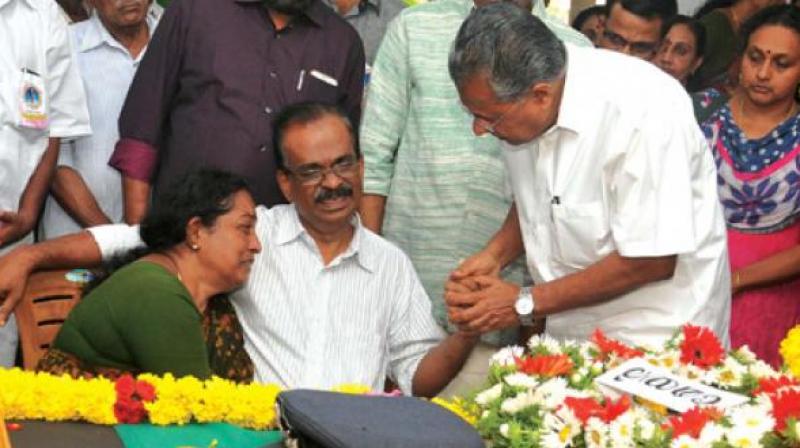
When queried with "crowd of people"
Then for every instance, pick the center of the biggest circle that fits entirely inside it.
(317, 192)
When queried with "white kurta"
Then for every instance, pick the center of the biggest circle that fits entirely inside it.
(624, 169)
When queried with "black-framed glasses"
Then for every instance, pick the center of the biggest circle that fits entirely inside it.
(639, 49)
(312, 174)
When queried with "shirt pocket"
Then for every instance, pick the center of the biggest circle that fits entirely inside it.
(320, 86)
(582, 233)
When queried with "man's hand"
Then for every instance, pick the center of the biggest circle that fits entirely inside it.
(482, 263)
(13, 226)
(489, 308)
(15, 267)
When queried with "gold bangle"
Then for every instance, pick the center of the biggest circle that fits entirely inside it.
(736, 279)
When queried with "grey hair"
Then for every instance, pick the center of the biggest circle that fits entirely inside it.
(514, 48)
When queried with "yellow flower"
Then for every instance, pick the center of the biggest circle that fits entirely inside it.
(467, 411)
(790, 351)
(355, 389)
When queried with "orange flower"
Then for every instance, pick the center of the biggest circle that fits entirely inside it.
(545, 365)
(770, 386)
(701, 347)
(785, 405)
(692, 421)
(609, 346)
(586, 408)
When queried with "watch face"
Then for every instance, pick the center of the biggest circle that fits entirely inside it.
(524, 306)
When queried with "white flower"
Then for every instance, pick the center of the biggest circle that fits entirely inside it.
(760, 369)
(755, 419)
(597, 368)
(685, 441)
(596, 433)
(489, 395)
(669, 360)
(519, 402)
(585, 350)
(746, 354)
(621, 430)
(691, 372)
(551, 393)
(743, 437)
(504, 430)
(647, 428)
(548, 342)
(559, 430)
(505, 356)
(729, 374)
(520, 379)
(711, 433)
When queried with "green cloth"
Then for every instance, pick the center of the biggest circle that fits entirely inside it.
(194, 435)
(446, 188)
(141, 318)
(720, 50)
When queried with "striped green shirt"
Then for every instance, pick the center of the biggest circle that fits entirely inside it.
(446, 188)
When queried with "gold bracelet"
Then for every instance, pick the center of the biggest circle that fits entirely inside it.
(736, 279)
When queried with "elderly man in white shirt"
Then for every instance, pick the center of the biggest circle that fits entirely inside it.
(327, 301)
(615, 200)
(108, 46)
(41, 101)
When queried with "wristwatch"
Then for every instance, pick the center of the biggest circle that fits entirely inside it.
(524, 306)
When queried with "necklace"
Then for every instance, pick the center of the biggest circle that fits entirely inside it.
(791, 111)
(174, 265)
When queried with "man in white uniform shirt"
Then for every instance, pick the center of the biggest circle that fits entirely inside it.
(41, 101)
(108, 46)
(327, 301)
(615, 201)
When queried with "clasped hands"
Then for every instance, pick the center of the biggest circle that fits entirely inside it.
(478, 300)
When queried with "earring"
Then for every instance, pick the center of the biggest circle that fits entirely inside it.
(195, 247)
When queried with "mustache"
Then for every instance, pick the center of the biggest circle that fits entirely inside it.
(326, 194)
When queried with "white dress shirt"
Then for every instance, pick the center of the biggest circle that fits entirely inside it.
(625, 168)
(107, 69)
(360, 318)
(33, 36)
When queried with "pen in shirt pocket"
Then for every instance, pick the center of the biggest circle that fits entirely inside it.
(300, 80)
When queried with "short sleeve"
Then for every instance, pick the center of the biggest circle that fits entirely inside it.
(652, 188)
(69, 115)
(413, 331)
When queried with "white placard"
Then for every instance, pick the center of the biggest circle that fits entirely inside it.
(642, 379)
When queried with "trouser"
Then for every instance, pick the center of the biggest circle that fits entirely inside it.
(9, 338)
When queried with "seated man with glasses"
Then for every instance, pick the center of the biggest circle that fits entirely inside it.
(635, 27)
(328, 301)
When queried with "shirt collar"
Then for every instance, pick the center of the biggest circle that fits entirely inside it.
(97, 34)
(292, 229)
(570, 114)
(33, 4)
(315, 13)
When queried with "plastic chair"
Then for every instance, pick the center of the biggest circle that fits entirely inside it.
(48, 299)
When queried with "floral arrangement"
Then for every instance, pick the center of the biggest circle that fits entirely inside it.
(546, 396)
(161, 400)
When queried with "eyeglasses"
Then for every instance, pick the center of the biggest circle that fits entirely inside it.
(490, 127)
(313, 174)
(638, 49)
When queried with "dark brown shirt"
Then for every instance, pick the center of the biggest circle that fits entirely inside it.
(215, 75)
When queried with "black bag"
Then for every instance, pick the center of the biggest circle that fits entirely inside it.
(319, 419)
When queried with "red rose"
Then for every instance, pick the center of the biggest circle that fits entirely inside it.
(145, 391)
(125, 386)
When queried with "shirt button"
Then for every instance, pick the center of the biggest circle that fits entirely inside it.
(267, 110)
(263, 149)
(273, 74)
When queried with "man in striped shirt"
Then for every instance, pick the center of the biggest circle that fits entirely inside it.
(328, 301)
